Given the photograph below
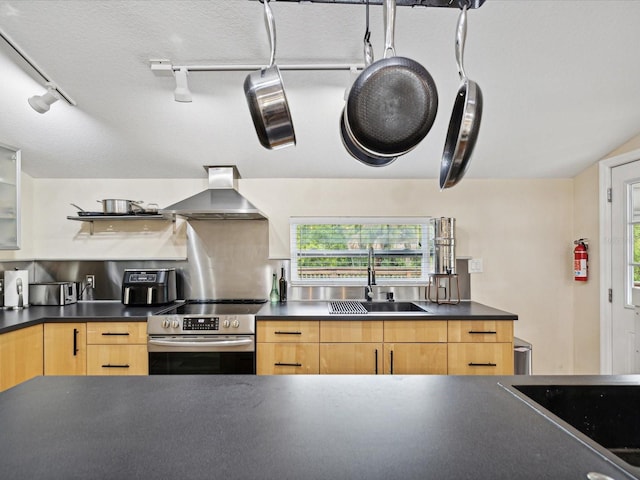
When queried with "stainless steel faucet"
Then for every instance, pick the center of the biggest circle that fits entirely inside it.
(371, 276)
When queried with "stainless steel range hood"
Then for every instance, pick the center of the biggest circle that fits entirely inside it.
(221, 201)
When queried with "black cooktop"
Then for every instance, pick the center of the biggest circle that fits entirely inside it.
(224, 306)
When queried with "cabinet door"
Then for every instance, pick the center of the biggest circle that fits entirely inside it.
(415, 358)
(480, 358)
(351, 358)
(9, 198)
(117, 333)
(20, 356)
(117, 360)
(65, 349)
(286, 358)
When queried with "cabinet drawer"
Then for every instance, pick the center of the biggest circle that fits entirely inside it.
(116, 333)
(117, 360)
(413, 331)
(287, 358)
(480, 358)
(480, 331)
(351, 358)
(284, 331)
(369, 331)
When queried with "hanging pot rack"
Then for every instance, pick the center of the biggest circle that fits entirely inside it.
(400, 3)
(165, 67)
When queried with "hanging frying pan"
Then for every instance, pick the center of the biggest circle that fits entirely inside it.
(354, 151)
(465, 118)
(266, 98)
(393, 103)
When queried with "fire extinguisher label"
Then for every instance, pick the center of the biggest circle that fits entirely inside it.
(580, 267)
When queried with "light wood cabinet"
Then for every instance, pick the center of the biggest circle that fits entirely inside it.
(385, 346)
(117, 348)
(21, 356)
(287, 358)
(65, 349)
(480, 347)
(415, 358)
(480, 358)
(351, 358)
(287, 347)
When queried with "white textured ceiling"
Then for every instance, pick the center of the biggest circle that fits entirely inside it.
(559, 77)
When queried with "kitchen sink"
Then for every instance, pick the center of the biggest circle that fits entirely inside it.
(607, 414)
(390, 307)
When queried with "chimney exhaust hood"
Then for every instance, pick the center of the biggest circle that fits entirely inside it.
(221, 201)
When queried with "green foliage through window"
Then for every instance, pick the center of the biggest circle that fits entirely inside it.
(338, 252)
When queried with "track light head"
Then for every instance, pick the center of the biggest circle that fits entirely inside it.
(182, 92)
(42, 103)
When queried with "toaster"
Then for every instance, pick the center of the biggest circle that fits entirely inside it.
(53, 293)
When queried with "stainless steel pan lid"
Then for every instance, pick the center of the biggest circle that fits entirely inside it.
(465, 118)
(266, 98)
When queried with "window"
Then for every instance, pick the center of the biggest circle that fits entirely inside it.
(336, 250)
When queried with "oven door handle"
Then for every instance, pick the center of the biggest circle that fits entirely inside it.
(212, 343)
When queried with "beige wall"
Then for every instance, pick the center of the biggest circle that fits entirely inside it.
(522, 229)
(586, 295)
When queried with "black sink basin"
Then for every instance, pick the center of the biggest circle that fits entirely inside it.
(607, 414)
(389, 307)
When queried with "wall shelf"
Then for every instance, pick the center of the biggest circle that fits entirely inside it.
(118, 218)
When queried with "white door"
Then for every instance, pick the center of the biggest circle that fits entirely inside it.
(625, 268)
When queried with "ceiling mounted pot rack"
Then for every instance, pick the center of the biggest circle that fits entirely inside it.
(400, 3)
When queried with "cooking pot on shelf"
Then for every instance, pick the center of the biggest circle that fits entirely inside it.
(115, 206)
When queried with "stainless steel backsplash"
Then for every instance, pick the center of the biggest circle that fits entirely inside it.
(225, 259)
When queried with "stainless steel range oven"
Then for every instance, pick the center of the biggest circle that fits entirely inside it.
(204, 337)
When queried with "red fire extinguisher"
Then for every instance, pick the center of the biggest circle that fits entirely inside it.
(580, 258)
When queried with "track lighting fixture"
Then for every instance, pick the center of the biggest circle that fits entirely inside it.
(182, 92)
(42, 103)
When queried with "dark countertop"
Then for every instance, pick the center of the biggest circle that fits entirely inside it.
(103, 311)
(290, 427)
(319, 310)
(114, 310)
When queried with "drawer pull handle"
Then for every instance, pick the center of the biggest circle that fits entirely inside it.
(115, 366)
(489, 364)
(487, 332)
(280, 364)
(114, 334)
(278, 332)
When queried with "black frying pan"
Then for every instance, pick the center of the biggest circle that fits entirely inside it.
(393, 103)
(465, 118)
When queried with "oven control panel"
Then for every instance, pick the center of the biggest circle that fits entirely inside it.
(201, 323)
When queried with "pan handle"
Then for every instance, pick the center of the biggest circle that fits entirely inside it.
(271, 30)
(389, 14)
(461, 37)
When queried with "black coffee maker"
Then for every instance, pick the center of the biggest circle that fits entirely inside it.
(155, 286)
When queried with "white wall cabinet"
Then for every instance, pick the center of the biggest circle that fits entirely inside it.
(9, 198)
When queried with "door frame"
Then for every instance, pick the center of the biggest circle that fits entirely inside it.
(606, 323)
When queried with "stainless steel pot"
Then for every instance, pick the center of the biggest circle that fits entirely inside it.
(266, 98)
(115, 206)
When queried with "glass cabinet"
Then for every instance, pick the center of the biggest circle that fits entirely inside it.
(9, 198)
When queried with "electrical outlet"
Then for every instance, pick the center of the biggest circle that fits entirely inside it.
(90, 281)
(475, 265)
